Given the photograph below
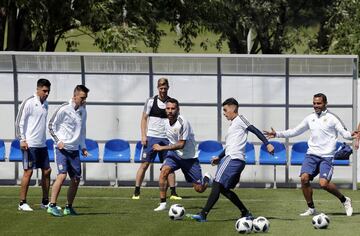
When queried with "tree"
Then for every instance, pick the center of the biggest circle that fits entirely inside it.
(115, 25)
(273, 23)
(344, 29)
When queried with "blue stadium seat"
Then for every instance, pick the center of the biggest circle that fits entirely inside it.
(279, 157)
(298, 152)
(340, 162)
(15, 152)
(50, 148)
(2, 150)
(207, 149)
(249, 154)
(93, 150)
(137, 155)
(117, 150)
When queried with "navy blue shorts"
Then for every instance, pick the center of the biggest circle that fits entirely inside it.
(35, 157)
(313, 165)
(68, 161)
(229, 171)
(190, 167)
(148, 154)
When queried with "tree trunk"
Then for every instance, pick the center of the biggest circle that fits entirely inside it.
(11, 36)
(2, 27)
(23, 31)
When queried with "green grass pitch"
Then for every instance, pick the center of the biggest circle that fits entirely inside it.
(110, 211)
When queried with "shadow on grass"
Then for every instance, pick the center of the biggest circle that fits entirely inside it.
(196, 197)
(235, 219)
(341, 214)
(101, 213)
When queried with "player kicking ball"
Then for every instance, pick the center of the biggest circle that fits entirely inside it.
(231, 161)
(180, 153)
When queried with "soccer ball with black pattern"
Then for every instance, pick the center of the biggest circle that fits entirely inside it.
(244, 225)
(320, 221)
(176, 212)
(261, 225)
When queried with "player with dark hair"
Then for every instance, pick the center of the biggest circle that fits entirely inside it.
(324, 127)
(180, 153)
(153, 132)
(67, 127)
(231, 161)
(30, 129)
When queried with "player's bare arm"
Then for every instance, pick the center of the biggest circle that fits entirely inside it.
(144, 120)
(179, 145)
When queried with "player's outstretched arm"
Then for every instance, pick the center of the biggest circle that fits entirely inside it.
(254, 130)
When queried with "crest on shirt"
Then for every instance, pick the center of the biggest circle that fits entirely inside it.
(325, 119)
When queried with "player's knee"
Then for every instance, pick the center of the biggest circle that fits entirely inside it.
(46, 172)
(324, 184)
(75, 180)
(305, 180)
(199, 188)
(28, 173)
(61, 177)
(144, 166)
(165, 171)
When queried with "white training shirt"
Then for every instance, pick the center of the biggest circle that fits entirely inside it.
(156, 125)
(68, 125)
(181, 130)
(30, 122)
(236, 138)
(324, 132)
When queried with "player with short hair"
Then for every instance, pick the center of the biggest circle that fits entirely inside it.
(180, 153)
(324, 128)
(153, 132)
(67, 127)
(30, 129)
(232, 160)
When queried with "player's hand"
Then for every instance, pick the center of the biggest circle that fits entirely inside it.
(215, 160)
(270, 134)
(60, 145)
(144, 141)
(355, 134)
(156, 147)
(84, 152)
(23, 145)
(270, 148)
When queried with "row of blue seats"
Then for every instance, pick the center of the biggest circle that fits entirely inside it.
(210, 148)
(118, 150)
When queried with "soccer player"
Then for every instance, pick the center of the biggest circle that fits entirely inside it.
(324, 128)
(30, 129)
(152, 132)
(232, 160)
(180, 153)
(67, 127)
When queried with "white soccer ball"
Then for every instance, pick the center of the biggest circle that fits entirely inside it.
(320, 221)
(261, 224)
(176, 212)
(244, 225)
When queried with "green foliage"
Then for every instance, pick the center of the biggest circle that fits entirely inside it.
(120, 39)
(345, 32)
